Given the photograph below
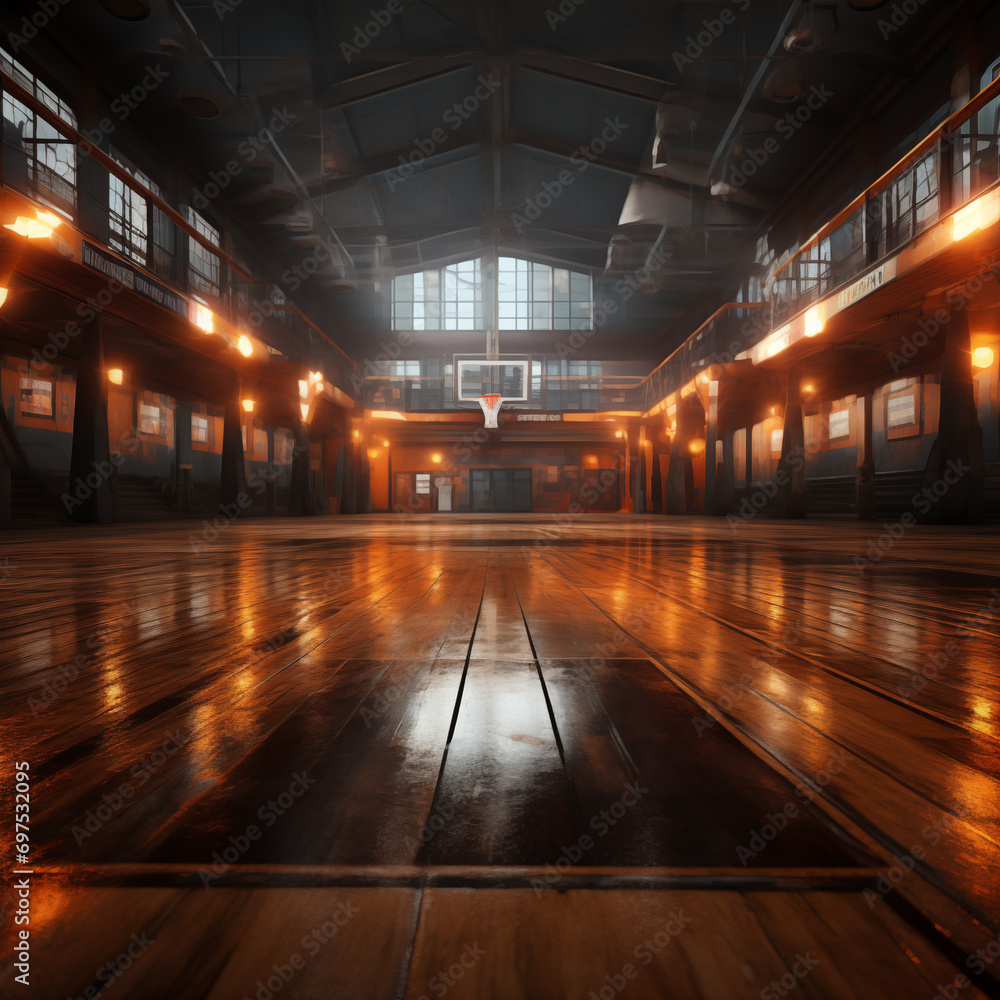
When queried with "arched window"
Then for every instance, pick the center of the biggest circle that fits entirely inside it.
(538, 297)
(526, 296)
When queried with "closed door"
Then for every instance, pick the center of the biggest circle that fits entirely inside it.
(501, 491)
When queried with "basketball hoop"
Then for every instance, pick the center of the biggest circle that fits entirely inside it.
(491, 407)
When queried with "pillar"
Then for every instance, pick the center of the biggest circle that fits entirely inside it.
(5, 498)
(712, 484)
(365, 478)
(864, 479)
(89, 498)
(954, 474)
(349, 503)
(183, 453)
(748, 457)
(233, 478)
(656, 478)
(300, 501)
(271, 495)
(725, 476)
(791, 474)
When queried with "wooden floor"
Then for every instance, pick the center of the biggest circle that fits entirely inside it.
(504, 757)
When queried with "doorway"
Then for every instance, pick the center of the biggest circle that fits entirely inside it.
(501, 491)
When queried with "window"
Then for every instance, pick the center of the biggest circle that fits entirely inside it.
(538, 297)
(776, 436)
(128, 214)
(149, 419)
(52, 163)
(203, 265)
(902, 410)
(449, 298)
(840, 424)
(527, 296)
(199, 429)
(36, 397)
(423, 484)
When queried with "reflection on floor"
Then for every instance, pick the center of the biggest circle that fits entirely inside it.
(505, 757)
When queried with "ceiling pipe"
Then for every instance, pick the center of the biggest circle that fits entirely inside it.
(192, 33)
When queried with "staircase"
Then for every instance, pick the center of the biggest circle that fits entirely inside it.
(831, 497)
(894, 492)
(35, 500)
(143, 499)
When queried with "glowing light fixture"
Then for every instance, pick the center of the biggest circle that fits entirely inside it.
(248, 405)
(704, 379)
(385, 444)
(815, 321)
(373, 453)
(303, 388)
(304, 407)
(203, 319)
(116, 376)
(980, 214)
(3, 295)
(436, 458)
(982, 357)
(696, 447)
(245, 346)
(619, 434)
(33, 229)
(357, 434)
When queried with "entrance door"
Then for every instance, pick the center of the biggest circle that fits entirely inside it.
(412, 491)
(501, 491)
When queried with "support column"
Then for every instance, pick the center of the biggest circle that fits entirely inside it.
(954, 479)
(748, 457)
(233, 478)
(712, 484)
(271, 494)
(725, 477)
(864, 479)
(183, 453)
(655, 477)
(365, 478)
(349, 503)
(89, 498)
(791, 473)
(300, 502)
(5, 499)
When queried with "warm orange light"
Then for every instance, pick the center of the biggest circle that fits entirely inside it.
(980, 214)
(116, 376)
(982, 357)
(373, 453)
(696, 447)
(38, 228)
(385, 444)
(435, 458)
(303, 388)
(815, 321)
(248, 405)
(357, 434)
(304, 407)
(808, 388)
(774, 410)
(3, 296)
(704, 379)
(619, 434)
(245, 346)
(315, 376)
(203, 319)
(319, 386)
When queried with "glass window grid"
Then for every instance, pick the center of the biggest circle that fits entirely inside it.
(203, 265)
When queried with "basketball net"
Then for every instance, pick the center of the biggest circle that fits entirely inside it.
(491, 408)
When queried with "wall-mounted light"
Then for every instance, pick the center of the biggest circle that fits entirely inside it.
(3, 295)
(982, 357)
(696, 447)
(248, 405)
(38, 228)
(385, 444)
(303, 388)
(203, 319)
(704, 379)
(815, 321)
(436, 458)
(373, 453)
(244, 345)
(980, 214)
(357, 434)
(619, 434)
(116, 376)
(304, 407)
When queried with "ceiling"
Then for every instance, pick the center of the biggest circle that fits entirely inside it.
(572, 93)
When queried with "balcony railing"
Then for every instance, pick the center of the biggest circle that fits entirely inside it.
(951, 166)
